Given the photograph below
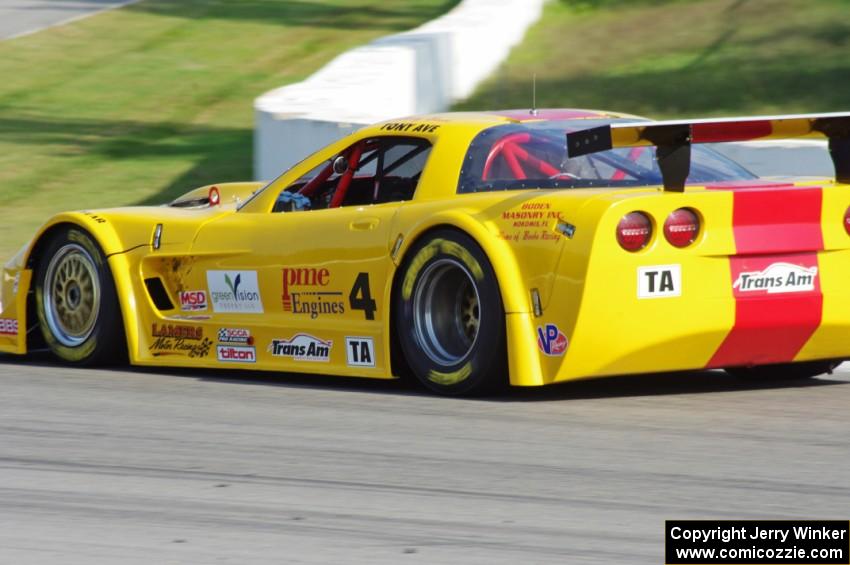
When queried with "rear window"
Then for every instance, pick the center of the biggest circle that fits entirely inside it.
(534, 155)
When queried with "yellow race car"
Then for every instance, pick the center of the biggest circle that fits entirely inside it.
(470, 250)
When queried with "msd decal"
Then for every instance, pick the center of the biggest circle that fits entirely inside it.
(551, 341)
(778, 278)
(236, 354)
(302, 347)
(9, 327)
(193, 300)
(235, 291)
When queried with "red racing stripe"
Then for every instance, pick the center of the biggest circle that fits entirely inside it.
(775, 276)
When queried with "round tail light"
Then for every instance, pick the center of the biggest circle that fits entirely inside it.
(682, 227)
(634, 231)
(847, 221)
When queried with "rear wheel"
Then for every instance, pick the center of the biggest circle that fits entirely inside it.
(784, 371)
(449, 316)
(76, 302)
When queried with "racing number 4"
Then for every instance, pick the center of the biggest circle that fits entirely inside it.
(360, 297)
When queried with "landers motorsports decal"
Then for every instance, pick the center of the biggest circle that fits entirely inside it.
(235, 335)
(302, 347)
(305, 292)
(177, 339)
(235, 291)
(778, 278)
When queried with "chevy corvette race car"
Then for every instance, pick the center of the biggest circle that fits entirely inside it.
(469, 250)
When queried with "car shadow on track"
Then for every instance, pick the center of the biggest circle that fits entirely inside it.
(657, 384)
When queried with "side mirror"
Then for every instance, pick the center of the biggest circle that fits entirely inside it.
(340, 165)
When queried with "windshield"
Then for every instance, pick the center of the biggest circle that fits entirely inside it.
(534, 155)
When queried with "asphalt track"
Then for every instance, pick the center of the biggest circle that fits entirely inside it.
(150, 466)
(22, 17)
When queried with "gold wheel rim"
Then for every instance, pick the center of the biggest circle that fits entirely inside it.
(71, 295)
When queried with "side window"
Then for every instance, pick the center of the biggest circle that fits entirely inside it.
(372, 171)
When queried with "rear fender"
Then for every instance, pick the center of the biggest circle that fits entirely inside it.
(523, 362)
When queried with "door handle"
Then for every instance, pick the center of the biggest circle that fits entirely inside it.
(364, 224)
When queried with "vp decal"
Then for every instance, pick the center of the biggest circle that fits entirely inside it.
(235, 291)
(551, 341)
(8, 327)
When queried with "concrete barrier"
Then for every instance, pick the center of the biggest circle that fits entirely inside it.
(416, 72)
(782, 157)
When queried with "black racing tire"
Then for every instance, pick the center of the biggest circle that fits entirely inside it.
(76, 302)
(783, 371)
(449, 316)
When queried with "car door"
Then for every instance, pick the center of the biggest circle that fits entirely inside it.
(310, 281)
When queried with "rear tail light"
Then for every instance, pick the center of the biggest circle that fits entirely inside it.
(634, 231)
(681, 227)
(847, 221)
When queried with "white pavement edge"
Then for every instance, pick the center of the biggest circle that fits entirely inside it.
(72, 19)
(416, 72)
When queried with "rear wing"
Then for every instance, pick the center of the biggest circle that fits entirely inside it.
(674, 138)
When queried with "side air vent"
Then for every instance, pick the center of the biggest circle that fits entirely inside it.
(158, 294)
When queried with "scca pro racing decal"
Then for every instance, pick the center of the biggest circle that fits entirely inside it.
(235, 335)
(778, 278)
(8, 327)
(660, 281)
(302, 347)
(360, 351)
(304, 292)
(235, 291)
(236, 354)
(193, 300)
(551, 341)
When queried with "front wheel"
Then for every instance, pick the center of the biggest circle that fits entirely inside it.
(783, 371)
(449, 316)
(76, 301)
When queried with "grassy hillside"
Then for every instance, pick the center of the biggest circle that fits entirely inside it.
(681, 58)
(140, 104)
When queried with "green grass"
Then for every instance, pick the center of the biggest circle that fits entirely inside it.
(684, 58)
(140, 104)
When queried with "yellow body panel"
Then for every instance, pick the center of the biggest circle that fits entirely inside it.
(305, 267)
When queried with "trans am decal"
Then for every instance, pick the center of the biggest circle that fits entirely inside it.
(302, 347)
(778, 278)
